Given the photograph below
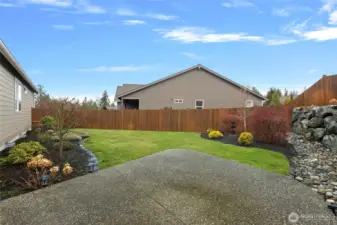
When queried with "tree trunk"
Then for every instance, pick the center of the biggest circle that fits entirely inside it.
(61, 148)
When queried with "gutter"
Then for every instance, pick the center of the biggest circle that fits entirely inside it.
(7, 54)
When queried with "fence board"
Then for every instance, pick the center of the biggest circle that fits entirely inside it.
(189, 120)
(320, 93)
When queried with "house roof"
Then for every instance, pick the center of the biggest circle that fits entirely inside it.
(199, 66)
(126, 88)
(8, 55)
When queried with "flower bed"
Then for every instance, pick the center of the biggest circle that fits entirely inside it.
(287, 150)
(14, 177)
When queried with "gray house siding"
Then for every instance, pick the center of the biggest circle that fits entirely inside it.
(13, 123)
(191, 86)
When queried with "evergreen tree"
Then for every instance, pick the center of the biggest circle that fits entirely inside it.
(255, 90)
(273, 97)
(104, 101)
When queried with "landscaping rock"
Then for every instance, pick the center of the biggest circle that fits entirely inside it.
(316, 122)
(298, 128)
(318, 134)
(315, 165)
(330, 141)
(299, 178)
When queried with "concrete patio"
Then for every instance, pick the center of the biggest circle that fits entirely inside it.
(171, 187)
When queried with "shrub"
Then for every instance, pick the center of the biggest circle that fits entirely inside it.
(50, 132)
(66, 146)
(83, 134)
(215, 134)
(44, 138)
(271, 124)
(226, 125)
(67, 137)
(48, 122)
(246, 139)
(39, 162)
(23, 152)
(209, 130)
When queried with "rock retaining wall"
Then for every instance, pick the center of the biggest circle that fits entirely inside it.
(317, 124)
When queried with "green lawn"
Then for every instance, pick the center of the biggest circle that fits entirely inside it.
(114, 147)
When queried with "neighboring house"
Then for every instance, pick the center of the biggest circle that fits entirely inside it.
(194, 88)
(16, 98)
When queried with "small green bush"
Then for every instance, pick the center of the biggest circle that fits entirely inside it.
(83, 134)
(246, 139)
(66, 146)
(44, 138)
(67, 137)
(23, 152)
(50, 132)
(209, 130)
(48, 122)
(215, 134)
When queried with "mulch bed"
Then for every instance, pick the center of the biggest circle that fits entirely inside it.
(8, 188)
(287, 150)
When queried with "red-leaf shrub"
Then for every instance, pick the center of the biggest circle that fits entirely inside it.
(270, 124)
(226, 125)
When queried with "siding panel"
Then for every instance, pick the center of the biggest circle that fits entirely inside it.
(13, 123)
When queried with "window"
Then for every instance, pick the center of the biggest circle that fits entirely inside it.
(249, 103)
(18, 97)
(25, 90)
(199, 104)
(178, 101)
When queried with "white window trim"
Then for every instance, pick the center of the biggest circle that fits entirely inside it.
(249, 103)
(18, 94)
(178, 101)
(198, 107)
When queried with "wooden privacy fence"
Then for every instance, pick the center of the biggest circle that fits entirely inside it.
(189, 120)
(320, 93)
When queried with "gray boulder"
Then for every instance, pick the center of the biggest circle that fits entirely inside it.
(296, 114)
(309, 135)
(331, 125)
(330, 141)
(305, 123)
(318, 134)
(309, 115)
(316, 122)
(298, 128)
(326, 111)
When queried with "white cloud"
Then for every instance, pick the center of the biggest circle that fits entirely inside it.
(237, 4)
(133, 22)
(198, 34)
(55, 3)
(280, 41)
(125, 12)
(98, 23)
(312, 71)
(316, 33)
(333, 18)
(192, 56)
(281, 12)
(160, 16)
(63, 27)
(328, 5)
(4, 4)
(321, 34)
(85, 6)
(129, 68)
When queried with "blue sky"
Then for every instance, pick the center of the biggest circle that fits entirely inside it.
(80, 48)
